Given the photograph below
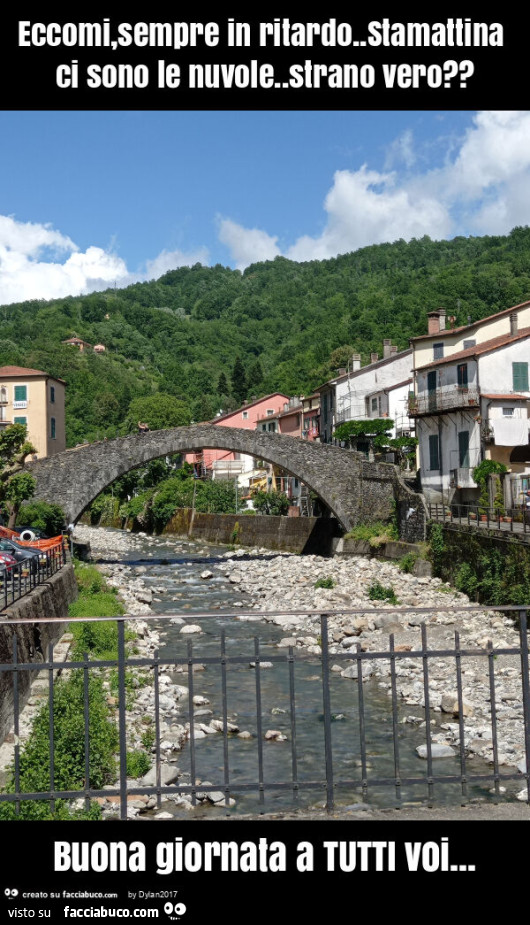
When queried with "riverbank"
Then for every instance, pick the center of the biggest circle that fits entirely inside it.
(265, 588)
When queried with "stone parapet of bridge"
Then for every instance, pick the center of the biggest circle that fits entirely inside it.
(355, 490)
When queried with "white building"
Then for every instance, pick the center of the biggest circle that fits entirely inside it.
(471, 400)
(377, 390)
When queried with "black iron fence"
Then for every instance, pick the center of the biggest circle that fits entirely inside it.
(353, 753)
(515, 520)
(18, 580)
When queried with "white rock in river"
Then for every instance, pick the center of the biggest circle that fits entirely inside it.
(437, 751)
(168, 774)
(191, 628)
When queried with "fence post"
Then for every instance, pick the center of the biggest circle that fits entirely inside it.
(327, 712)
(121, 713)
(523, 629)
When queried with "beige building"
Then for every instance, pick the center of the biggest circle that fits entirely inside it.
(33, 398)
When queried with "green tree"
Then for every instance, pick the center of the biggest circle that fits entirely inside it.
(255, 378)
(239, 381)
(158, 411)
(16, 483)
(222, 385)
(270, 502)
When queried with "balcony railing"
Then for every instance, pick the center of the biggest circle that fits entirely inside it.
(444, 399)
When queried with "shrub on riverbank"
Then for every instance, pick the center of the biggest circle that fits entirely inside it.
(100, 641)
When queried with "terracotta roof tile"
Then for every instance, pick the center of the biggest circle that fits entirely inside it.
(22, 372)
(501, 341)
(463, 327)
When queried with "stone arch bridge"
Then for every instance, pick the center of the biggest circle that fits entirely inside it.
(355, 490)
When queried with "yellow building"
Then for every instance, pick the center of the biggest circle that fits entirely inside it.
(33, 398)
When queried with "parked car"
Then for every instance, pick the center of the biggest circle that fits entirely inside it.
(32, 557)
(7, 563)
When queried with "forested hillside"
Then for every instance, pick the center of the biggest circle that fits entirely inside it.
(289, 324)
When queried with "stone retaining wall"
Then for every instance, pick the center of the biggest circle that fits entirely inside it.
(50, 599)
(293, 534)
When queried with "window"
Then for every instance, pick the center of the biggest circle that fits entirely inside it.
(52, 428)
(469, 343)
(462, 375)
(431, 381)
(270, 411)
(20, 421)
(52, 394)
(520, 377)
(507, 412)
(463, 449)
(374, 404)
(20, 396)
(245, 415)
(434, 451)
(438, 351)
(3, 393)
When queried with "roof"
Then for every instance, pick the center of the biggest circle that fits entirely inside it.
(21, 372)
(509, 396)
(249, 404)
(390, 388)
(464, 327)
(501, 341)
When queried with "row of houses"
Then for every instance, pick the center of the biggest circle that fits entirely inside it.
(463, 392)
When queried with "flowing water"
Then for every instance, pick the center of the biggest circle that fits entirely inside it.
(176, 568)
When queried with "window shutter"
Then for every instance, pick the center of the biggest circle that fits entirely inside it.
(520, 377)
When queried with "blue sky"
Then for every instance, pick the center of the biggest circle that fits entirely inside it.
(89, 199)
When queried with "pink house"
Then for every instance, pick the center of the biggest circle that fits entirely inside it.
(245, 417)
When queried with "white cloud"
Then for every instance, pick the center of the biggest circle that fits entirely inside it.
(37, 262)
(170, 260)
(483, 188)
(401, 151)
(247, 245)
(368, 207)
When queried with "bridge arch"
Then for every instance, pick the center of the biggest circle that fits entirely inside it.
(354, 489)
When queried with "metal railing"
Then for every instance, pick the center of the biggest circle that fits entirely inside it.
(515, 520)
(334, 774)
(443, 399)
(20, 579)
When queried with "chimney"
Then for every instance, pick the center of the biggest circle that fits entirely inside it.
(386, 349)
(513, 323)
(341, 371)
(374, 357)
(436, 321)
(355, 362)
(393, 351)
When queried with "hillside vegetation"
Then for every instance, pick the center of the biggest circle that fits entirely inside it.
(210, 336)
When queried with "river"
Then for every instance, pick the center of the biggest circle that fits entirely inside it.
(172, 569)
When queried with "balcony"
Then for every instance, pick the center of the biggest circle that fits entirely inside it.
(228, 468)
(448, 398)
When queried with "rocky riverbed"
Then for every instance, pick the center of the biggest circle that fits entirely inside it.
(264, 589)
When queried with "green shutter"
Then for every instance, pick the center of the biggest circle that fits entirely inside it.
(21, 393)
(520, 377)
(434, 452)
(463, 449)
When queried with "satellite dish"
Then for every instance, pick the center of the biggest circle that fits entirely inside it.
(27, 536)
